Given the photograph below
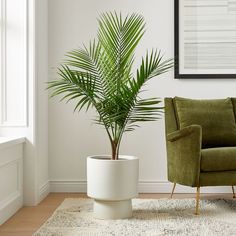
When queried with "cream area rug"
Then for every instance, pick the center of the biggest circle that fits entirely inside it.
(150, 218)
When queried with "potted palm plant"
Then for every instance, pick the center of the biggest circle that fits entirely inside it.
(101, 76)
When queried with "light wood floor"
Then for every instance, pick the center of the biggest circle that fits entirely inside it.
(28, 219)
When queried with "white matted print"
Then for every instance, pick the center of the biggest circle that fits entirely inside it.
(205, 38)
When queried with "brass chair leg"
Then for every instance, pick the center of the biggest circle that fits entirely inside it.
(173, 189)
(197, 201)
(234, 196)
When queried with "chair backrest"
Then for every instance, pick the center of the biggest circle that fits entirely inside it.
(171, 124)
(234, 106)
(216, 117)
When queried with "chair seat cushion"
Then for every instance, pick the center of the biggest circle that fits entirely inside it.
(218, 159)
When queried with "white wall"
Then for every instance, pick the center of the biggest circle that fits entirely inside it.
(72, 137)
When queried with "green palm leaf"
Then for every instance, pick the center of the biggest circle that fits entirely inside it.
(100, 76)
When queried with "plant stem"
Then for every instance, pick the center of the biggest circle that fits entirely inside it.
(114, 150)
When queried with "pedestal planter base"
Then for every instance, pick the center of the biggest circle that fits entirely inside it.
(112, 209)
(112, 184)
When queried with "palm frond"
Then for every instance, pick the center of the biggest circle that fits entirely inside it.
(76, 86)
(119, 39)
(133, 109)
(100, 75)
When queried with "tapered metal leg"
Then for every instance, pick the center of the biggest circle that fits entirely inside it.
(234, 196)
(197, 201)
(173, 189)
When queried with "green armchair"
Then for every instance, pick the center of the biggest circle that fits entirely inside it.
(201, 142)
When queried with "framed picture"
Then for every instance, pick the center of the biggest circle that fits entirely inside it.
(205, 39)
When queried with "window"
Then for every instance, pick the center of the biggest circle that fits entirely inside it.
(13, 64)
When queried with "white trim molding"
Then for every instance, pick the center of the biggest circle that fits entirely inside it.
(44, 190)
(10, 206)
(11, 192)
(80, 186)
(68, 186)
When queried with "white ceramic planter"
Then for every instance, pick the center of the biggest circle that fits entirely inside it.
(112, 184)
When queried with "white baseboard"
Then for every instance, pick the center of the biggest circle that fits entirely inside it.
(80, 186)
(68, 186)
(44, 190)
(10, 206)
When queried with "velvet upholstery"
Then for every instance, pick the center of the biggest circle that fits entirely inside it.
(218, 178)
(234, 106)
(216, 118)
(189, 161)
(182, 168)
(170, 120)
(218, 159)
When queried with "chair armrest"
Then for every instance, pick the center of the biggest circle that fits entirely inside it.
(183, 132)
(184, 155)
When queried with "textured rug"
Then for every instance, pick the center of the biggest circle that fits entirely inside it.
(150, 218)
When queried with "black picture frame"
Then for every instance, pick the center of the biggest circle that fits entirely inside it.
(177, 73)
